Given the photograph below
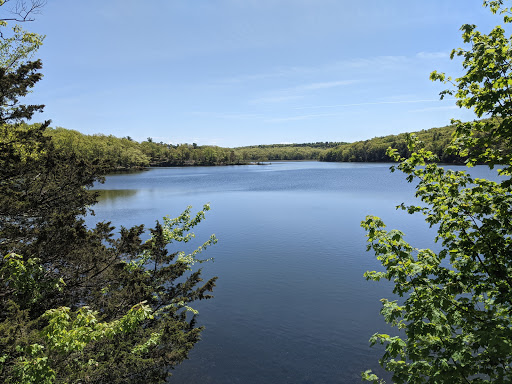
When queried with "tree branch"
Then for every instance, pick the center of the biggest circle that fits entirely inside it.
(22, 10)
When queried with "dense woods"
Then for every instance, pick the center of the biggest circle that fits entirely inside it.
(436, 140)
(124, 153)
(276, 152)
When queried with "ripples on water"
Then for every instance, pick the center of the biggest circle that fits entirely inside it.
(291, 304)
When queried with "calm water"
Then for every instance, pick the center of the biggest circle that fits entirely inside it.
(291, 304)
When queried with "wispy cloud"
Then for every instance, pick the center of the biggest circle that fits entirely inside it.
(229, 116)
(275, 99)
(368, 103)
(316, 115)
(432, 55)
(300, 117)
(380, 62)
(324, 85)
(450, 107)
(299, 91)
(277, 72)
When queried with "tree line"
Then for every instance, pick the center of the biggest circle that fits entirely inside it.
(124, 153)
(436, 140)
(439, 141)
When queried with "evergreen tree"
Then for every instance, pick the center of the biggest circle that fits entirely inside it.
(79, 304)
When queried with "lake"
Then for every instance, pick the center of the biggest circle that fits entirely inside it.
(291, 303)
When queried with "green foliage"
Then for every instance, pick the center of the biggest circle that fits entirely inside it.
(454, 314)
(81, 304)
(436, 140)
(69, 273)
(109, 152)
(485, 88)
(276, 152)
(114, 153)
(187, 155)
(25, 280)
(456, 309)
(130, 300)
(17, 46)
(72, 344)
(123, 153)
(15, 84)
(70, 332)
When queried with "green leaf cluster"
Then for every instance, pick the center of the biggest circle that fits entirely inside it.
(17, 46)
(454, 312)
(109, 152)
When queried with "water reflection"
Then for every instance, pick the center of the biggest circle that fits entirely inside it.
(291, 304)
(113, 194)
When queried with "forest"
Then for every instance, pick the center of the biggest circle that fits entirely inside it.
(436, 140)
(124, 153)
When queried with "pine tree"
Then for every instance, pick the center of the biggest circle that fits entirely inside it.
(80, 304)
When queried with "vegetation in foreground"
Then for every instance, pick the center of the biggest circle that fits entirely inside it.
(455, 307)
(80, 305)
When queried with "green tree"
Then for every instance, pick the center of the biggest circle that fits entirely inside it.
(65, 267)
(17, 46)
(80, 304)
(455, 310)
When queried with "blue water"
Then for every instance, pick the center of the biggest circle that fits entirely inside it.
(291, 304)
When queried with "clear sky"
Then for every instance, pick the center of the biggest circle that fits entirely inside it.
(243, 72)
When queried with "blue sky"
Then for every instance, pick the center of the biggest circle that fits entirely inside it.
(243, 72)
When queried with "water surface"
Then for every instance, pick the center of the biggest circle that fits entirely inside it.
(291, 304)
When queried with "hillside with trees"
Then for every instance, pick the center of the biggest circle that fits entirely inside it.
(276, 152)
(436, 140)
(114, 153)
(124, 153)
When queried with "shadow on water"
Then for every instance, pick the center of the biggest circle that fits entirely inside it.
(113, 194)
